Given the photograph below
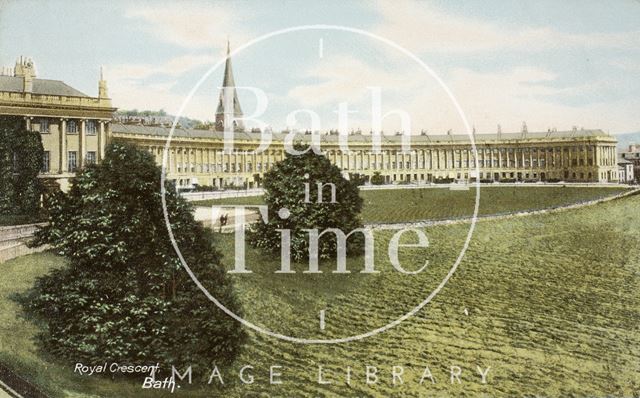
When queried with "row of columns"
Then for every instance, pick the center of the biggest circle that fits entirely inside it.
(444, 159)
(204, 160)
(184, 160)
(82, 143)
(63, 165)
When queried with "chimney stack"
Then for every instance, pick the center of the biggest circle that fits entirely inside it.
(27, 70)
(103, 92)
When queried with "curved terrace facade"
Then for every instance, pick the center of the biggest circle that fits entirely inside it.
(197, 156)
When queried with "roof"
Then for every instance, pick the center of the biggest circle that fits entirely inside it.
(622, 160)
(40, 86)
(125, 129)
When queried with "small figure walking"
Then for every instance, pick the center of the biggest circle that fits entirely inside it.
(224, 218)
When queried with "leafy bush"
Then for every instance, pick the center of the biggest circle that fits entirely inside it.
(124, 296)
(204, 188)
(284, 187)
(21, 154)
(357, 179)
(377, 178)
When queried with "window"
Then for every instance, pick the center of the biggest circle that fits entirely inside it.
(45, 162)
(72, 161)
(91, 127)
(91, 157)
(44, 125)
(72, 127)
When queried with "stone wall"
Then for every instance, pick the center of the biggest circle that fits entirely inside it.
(13, 241)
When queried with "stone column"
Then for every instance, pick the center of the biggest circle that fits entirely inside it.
(82, 141)
(611, 156)
(63, 146)
(102, 143)
(531, 150)
(180, 158)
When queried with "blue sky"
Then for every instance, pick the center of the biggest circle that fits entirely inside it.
(551, 64)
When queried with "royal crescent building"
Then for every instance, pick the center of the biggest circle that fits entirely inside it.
(76, 127)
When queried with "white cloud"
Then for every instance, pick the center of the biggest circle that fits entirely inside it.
(190, 24)
(626, 65)
(127, 94)
(522, 94)
(422, 27)
(146, 86)
(343, 78)
(174, 67)
(487, 98)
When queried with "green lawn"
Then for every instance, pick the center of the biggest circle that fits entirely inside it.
(401, 205)
(552, 302)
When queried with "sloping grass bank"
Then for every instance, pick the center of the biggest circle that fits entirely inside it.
(549, 302)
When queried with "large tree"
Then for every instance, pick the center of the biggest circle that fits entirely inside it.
(124, 295)
(21, 154)
(293, 184)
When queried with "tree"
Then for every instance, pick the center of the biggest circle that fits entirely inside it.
(284, 187)
(358, 179)
(124, 295)
(21, 154)
(377, 179)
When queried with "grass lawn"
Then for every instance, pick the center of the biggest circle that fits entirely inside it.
(401, 205)
(552, 306)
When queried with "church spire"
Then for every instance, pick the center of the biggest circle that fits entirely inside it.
(228, 105)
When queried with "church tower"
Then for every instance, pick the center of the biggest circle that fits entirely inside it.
(228, 104)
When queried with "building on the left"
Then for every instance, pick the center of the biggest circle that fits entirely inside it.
(74, 126)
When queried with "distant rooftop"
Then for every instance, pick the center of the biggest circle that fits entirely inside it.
(157, 131)
(40, 86)
(622, 160)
